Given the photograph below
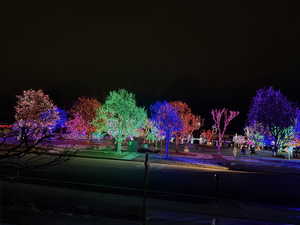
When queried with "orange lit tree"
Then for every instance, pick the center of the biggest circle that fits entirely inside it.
(190, 121)
(208, 135)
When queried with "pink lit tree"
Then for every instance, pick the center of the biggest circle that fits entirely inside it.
(222, 118)
(77, 127)
(36, 115)
(23, 146)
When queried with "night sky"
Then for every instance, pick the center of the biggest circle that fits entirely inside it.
(213, 54)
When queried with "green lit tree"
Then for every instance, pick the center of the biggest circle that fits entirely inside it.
(120, 117)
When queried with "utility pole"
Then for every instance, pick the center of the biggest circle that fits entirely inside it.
(146, 164)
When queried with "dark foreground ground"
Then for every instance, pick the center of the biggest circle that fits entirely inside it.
(36, 204)
(239, 185)
(103, 191)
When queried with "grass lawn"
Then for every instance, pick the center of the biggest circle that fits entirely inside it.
(108, 153)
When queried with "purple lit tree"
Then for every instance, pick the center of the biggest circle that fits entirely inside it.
(275, 113)
(166, 119)
(297, 124)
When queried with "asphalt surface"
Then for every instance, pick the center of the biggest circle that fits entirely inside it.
(36, 204)
(281, 188)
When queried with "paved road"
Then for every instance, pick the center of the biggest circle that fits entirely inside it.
(52, 205)
(175, 179)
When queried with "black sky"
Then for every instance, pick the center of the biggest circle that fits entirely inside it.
(209, 54)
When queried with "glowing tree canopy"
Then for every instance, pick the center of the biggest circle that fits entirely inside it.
(255, 134)
(120, 117)
(275, 113)
(166, 119)
(61, 122)
(151, 133)
(36, 114)
(297, 124)
(208, 135)
(77, 127)
(222, 118)
(86, 109)
(190, 122)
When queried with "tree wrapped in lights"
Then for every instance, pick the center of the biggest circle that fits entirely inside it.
(36, 115)
(275, 113)
(61, 122)
(166, 119)
(151, 134)
(222, 118)
(77, 127)
(239, 140)
(297, 124)
(120, 117)
(36, 120)
(255, 134)
(208, 135)
(190, 122)
(86, 109)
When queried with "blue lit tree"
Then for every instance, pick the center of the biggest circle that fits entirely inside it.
(275, 113)
(61, 122)
(166, 119)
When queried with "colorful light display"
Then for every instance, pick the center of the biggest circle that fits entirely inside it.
(86, 109)
(166, 119)
(36, 114)
(190, 122)
(120, 117)
(222, 118)
(275, 113)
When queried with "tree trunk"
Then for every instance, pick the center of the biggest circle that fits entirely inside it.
(119, 147)
(176, 142)
(219, 144)
(167, 144)
(219, 147)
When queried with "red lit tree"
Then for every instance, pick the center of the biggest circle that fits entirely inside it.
(85, 109)
(222, 118)
(190, 122)
(208, 135)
